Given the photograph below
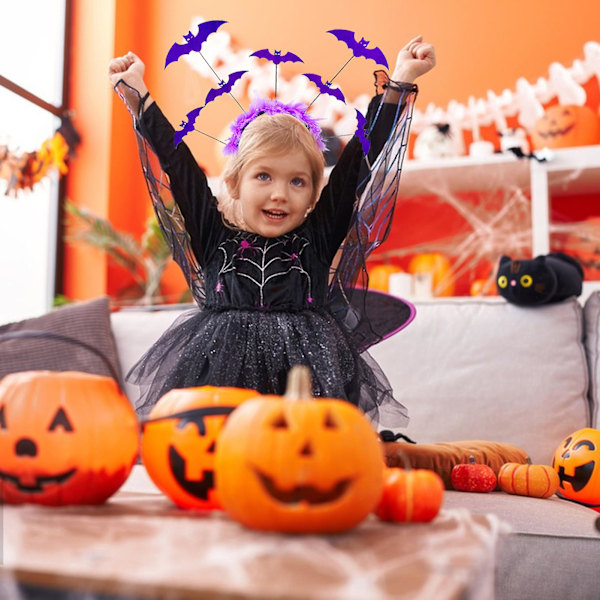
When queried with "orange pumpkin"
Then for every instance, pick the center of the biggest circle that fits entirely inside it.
(538, 481)
(441, 271)
(379, 276)
(180, 438)
(583, 244)
(483, 287)
(564, 126)
(410, 495)
(65, 438)
(298, 464)
(577, 462)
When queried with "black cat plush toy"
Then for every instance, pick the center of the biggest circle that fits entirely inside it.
(549, 278)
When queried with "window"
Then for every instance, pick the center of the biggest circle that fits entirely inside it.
(32, 51)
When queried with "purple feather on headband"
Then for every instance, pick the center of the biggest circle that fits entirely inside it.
(271, 107)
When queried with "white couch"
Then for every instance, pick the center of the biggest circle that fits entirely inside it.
(470, 369)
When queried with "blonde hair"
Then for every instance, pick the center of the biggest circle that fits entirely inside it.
(265, 136)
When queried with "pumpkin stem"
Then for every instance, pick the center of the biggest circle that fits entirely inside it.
(299, 384)
(528, 460)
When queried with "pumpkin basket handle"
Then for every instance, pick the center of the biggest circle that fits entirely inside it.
(34, 333)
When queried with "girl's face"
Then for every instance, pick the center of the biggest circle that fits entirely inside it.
(275, 193)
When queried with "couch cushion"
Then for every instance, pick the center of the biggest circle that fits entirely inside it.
(591, 313)
(136, 329)
(86, 323)
(490, 370)
(553, 550)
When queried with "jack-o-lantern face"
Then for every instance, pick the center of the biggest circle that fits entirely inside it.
(180, 439)
(577, 462)
(566, 126)
(65, 438)
(299, 466)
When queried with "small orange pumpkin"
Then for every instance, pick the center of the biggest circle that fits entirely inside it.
(538, 481)
(441, 271)
(180, 438)
(65, 438)
(483, 287)
(577, 462)
(379, 276)
(298, 464)
(410, 495)
(564, 126)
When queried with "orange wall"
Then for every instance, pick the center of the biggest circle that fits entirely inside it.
(481, 45)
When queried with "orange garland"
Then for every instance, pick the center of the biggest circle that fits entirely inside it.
(22, 171)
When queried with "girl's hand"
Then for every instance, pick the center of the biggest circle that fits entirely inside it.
(414, 60)
(130, 69)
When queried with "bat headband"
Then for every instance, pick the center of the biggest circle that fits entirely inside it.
(193, 43)
(271, 107)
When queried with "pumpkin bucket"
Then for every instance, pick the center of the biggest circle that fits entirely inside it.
(65, 437)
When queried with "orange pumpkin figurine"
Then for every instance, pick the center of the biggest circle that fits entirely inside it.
(410, 495)
(379, 276)
(299, 464)
(65, 438)
(537, 481)
(577, 462)
(473, 477)
(180, 438)
(440, 268)
(564, 126)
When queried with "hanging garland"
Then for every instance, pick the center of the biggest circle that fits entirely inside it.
(22, 170)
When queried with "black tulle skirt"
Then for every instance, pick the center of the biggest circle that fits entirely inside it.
(256, 349)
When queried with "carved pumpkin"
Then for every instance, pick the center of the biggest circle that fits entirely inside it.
(538, 481)
(410, 495)
(564, 126)
(441, 272)
(180, 438)
(577, 462)
(65, 438)
(379, 276)
(298, 464)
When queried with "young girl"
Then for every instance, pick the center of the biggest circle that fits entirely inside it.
(262, 261)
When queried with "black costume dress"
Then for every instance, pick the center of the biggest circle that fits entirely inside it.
(266, 304)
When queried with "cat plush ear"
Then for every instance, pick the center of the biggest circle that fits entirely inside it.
(504, 259)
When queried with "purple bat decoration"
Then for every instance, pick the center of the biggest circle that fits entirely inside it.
(224, 87)
(276, 57)
(187, 126)
(193, 43)
(360, 132)
(325, 88)
(359, 48)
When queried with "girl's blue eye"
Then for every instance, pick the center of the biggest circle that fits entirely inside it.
(298, 181)
(262, 176)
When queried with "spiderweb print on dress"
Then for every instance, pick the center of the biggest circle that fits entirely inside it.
(263, 259)
(370, 227)
(169, 216)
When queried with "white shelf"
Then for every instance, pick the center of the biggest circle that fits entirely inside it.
(568, 171)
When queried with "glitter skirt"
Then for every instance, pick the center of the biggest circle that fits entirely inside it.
(256, 349)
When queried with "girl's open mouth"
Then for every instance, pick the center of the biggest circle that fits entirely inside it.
(274, 214)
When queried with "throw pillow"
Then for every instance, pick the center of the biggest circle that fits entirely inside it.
(87, 323)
